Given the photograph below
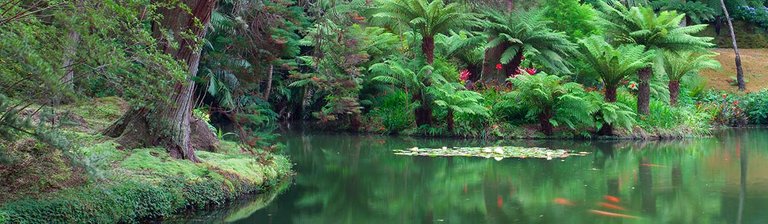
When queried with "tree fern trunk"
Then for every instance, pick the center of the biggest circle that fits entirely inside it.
(610, 93)
(739, 70)
(428, 48)
(546, 126)
(513, 65)
(168, 123)
(610, 96)
(644, 91)
(450, 121)
(423, 114)
(491, 58)
(674, 91)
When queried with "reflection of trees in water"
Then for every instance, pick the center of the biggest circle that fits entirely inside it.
(354, 179)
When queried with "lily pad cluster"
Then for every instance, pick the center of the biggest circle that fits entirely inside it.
(496, 152)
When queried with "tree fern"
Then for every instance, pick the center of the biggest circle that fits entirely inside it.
(656, 31)
(526, 34)
(613, 65)
(425, 17)
(464, 46)
(678, 65)
(698, 12)
(551, 101)
(458, 101)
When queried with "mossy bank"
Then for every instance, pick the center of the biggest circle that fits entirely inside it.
(98, 181)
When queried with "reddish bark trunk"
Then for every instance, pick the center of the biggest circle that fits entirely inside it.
(610, 94)
(168, 123)
(424, 112)
(450, 121)
(428, 47)
(674, 91)
(644, 91)
(492, 55)
(514, 64)
(546, 126)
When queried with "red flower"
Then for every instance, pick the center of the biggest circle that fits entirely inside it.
(632, 85)
(725, 95)
(498, 67)
(735, 102)
(464, 75)
(530, 71)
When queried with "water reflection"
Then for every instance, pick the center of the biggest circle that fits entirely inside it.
(357, 179)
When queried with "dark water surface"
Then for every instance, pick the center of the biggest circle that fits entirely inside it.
(357, 179)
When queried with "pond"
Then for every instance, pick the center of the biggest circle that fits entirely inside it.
(358, 179)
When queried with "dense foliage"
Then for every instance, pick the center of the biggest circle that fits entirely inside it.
(483, 69)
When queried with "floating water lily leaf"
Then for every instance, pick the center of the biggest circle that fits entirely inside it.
(498, 152)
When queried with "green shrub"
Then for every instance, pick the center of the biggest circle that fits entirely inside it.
(552, 101)
(126, 202)
(615, 114)
(755, 105)
(395, 110)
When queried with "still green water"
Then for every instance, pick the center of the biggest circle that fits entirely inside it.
(357, 179)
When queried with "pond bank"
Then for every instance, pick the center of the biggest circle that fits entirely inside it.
(147, 184)
(96, 180)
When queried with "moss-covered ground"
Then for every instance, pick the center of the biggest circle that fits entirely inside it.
(97, 181)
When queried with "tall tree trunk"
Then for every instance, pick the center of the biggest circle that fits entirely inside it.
(644, 91)
(168, 123)
(69, 54)
(269, 82)
(674, 91)
(739, 70)
(428, 47)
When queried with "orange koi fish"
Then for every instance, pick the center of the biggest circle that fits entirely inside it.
(612, 199)
(611, 206)
(611, 214)
(563, 201)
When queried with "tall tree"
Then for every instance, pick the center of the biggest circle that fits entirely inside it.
(168, 123)
(427, 18)
(657, 32)
(739, 70)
